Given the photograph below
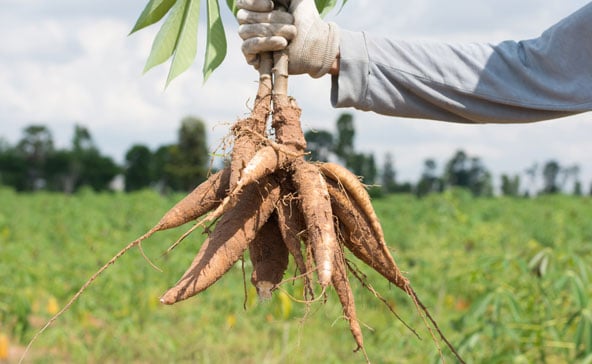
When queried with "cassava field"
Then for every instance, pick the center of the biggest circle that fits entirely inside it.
(508, 280)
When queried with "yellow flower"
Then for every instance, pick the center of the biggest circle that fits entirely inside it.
(286, 305)
(3, 347)
(230, 321)
(52, 306)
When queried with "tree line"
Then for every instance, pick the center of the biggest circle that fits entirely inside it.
(34, 163)
(461, 170)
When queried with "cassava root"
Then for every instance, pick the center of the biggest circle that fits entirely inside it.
(273, 203)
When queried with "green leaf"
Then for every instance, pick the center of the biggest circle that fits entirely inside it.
(513, 305)
(482, 305)
(216, 40)
(186, 45)
(578, 289)
(153, 12)
(232, 6)
(166, 40)
(325, 6)
(343, 4)
(587, 360)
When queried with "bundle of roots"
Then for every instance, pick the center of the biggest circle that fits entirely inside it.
(272, 202)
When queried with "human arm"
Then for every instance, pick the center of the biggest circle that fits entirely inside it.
(511, 82)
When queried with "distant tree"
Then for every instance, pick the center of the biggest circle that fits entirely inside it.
(531, 172)
(569, 173)
(98, 170)
(344, 145)
(468, 172)
(479, 179)
(510, 185)
(81, 139)
(138, 168)
(81, 165)
(551, 171)
(13, 167)
(187, 161)
(429, 182)
(457, 170)
(578, 189)
(4, 144)
(363, 165)
(162, 161)
(405, 187)
(389, 175)
(320, 144)
(81, 145)
(35, 146)
(59, 171)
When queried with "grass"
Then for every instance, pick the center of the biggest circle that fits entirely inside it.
(470, 260)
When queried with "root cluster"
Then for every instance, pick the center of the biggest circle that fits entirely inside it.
(271, 201)
(274, 203)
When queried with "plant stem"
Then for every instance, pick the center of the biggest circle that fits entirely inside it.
(280, 73)
(265, 69)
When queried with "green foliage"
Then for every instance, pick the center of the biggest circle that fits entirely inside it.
(429, 182)
(35, 164)
(177, 37)
(346, 132)
(153, 12)
(362, 164)
(319, 143)
(508, 280)
(510, 185)
(216, 40)
(189, 159)
(139, 171)
(468, 172)
(389, 175)
(551, 172)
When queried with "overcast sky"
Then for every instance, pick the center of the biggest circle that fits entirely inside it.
(69, 61)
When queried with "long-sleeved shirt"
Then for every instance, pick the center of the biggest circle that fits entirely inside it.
(511, 82)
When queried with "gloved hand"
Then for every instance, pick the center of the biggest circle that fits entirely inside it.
(313, 44)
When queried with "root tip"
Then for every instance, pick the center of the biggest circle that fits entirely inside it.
(167, 300)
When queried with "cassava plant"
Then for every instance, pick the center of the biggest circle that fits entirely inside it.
(269, 200)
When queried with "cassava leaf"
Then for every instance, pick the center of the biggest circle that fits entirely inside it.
(216, 40)
(153, 12)
(186, 45)
(232, 6)
(325, 6)
(165, 41)
(342, 4)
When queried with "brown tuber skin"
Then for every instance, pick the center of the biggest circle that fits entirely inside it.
(346, 297)
(225, 245)
(360, 239)
(202, 199)
(316, 208)
(269, 256)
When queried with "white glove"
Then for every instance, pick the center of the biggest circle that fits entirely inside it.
(312, 50)
(263, 29)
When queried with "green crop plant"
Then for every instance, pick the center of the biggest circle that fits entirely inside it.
(177, 37)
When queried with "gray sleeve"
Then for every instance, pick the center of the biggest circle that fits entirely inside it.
(511, 82)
